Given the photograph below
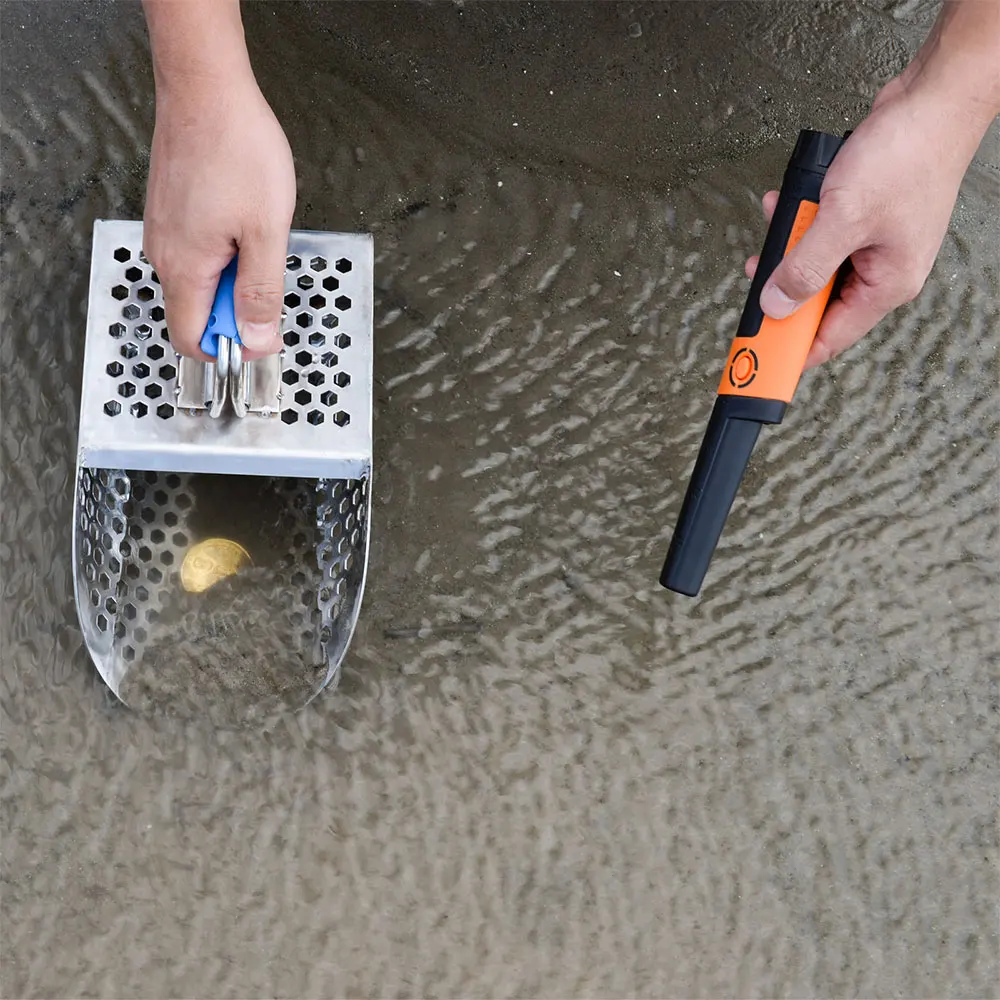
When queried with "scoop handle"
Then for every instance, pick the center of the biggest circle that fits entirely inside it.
(222, 319)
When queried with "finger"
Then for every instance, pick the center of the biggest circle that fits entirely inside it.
(811, 263)
(751, 266)
(847, 319)
(260, 285)
(768, 203)
(187, 303)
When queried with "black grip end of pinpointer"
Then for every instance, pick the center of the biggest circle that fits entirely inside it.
(725, 450)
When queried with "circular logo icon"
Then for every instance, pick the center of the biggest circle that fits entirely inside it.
(743, 368)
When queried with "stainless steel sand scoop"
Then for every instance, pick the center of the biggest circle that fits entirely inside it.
(221, 516)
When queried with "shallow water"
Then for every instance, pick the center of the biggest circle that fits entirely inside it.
(541, 775)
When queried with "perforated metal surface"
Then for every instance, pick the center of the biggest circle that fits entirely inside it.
(129, 416)
(132, 530)
(148, 469)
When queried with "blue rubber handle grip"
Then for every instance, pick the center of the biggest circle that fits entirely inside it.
(222, 321)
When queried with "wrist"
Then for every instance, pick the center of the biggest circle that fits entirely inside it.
(189, 95)
(958, 66)
(199, 52)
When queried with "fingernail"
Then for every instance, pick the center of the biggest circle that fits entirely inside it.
(776, 303)
(259, 336)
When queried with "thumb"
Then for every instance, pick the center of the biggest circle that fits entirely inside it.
(257, 294)
(809, 265)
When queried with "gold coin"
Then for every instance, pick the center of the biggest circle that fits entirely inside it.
(210, 561)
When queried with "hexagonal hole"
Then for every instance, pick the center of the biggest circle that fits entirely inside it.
(293, 263)
(154, 574)
(133, 273)
(341, 379)
(291, 338)
(289, 416)
(164, 411)
(318, 263)
(145, 293)
(126, 389)
(330, 321)
(122, 254)
(154, 390)
(342, 302)
(342, 340)
(315, 417)
(129, 350)
(329, 360)
(119, 292)
(112, 407)
(303, 358)
(141, 370)
(117, 330)
(179, 539)
(115, 369)
(170, 519)
(131, 311)
(303, 397)
(167, 558)
(305, 282)
(330, 283)
(317, 301)
(138, 409)
(317, 339)
(159, 497)
(129, 612)
(289, 376)
(143, 331)
(102, 622)
(111, 605)
(156, 314)
(304, 319)
(154, 352)
(156, 536)
(343, 265)
(183, 501)
(167, 372)
(341, 419)
(292, 300)
(329, 398)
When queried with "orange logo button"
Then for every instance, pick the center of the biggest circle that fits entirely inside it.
(743, 369)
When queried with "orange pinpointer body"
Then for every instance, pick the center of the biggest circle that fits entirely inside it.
(760, 375)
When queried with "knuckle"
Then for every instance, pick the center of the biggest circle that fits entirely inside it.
(263, 292)
(805, 276)
(847, 211)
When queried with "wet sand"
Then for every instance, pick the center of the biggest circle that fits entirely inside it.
(785, 788)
